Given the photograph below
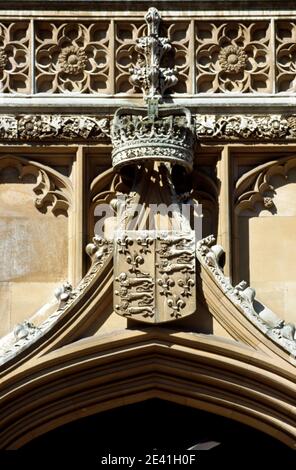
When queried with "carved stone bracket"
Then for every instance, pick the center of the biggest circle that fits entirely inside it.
(243, 296)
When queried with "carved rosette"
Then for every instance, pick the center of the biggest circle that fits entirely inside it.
(154, 275)
(233, 57)
(72, 60)
(72, 57)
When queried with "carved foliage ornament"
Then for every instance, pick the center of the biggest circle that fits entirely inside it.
(53, 126)
(148, 73)
(53, 191)
(127, 58)
(154, 275)
(207, 127)
(241, 127)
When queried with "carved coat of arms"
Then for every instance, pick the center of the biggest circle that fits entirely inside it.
(154, 275)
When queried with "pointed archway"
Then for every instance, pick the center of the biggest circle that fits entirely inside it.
(159, 427)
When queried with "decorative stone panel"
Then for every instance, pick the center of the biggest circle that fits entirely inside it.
(73, 57)
(286, 56)
(126, 56)
(96, 57)
(233, 57)
(14, 57)
(178, 34)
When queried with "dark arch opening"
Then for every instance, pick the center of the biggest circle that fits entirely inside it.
(156, 426)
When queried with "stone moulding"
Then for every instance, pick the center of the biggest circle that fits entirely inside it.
(27, 333)
(282, 333)
(53, 126)
(53, 191)
(256, 187)
(91, 128)
(245, 127)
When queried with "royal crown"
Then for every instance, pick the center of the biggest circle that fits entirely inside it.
(137, 137)
(158, 133)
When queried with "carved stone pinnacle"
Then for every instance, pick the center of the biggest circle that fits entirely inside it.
(148, 74)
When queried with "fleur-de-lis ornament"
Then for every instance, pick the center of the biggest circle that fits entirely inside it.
(187, 283)
(176, 304)
(166, 283)
(134, 260)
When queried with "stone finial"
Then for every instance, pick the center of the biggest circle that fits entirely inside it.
(148, 74)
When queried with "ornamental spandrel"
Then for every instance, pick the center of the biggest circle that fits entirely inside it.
(154, 275)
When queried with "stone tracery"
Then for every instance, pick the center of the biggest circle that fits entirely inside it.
(237, 56)
(72, 57)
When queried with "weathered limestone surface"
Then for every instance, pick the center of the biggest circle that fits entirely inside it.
(33, 253)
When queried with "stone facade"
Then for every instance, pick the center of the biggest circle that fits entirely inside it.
(191, 107)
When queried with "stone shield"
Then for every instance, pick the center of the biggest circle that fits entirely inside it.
(154, 275)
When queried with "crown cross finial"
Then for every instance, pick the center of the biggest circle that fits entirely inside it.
(153, 19)
(148, 73)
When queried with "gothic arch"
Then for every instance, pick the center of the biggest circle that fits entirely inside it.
(68, 369)
(96, 374)
(62, 364)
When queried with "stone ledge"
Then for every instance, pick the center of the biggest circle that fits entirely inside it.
(96, 128)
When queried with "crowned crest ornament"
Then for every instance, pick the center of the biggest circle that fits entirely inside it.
(154, 268)
(137, 138)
